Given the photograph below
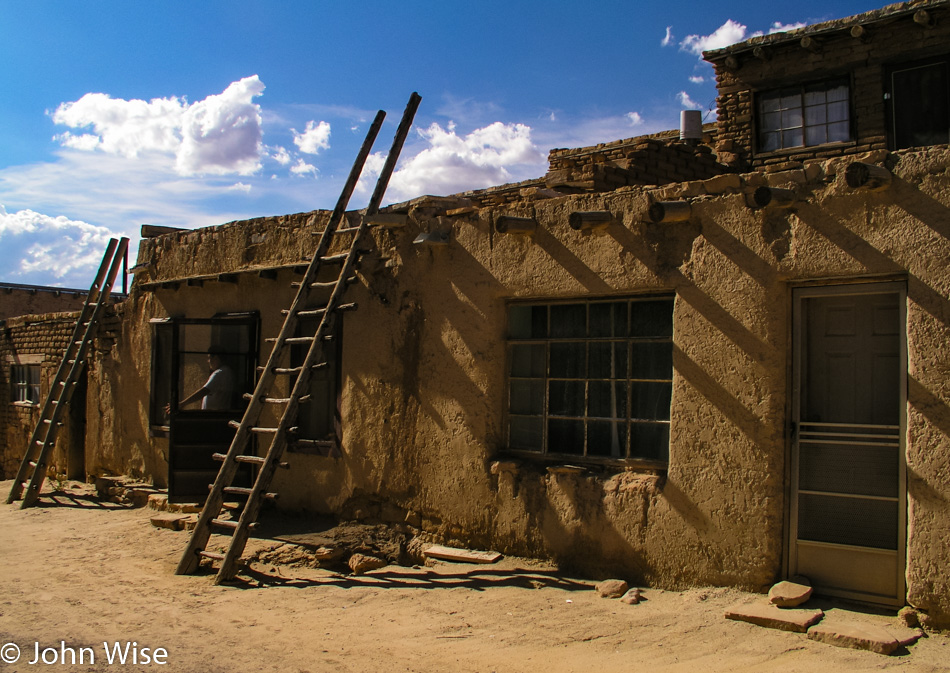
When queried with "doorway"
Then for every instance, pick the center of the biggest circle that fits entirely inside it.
(847, 529)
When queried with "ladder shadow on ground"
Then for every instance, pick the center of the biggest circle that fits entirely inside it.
(398, 577)
(77, 501)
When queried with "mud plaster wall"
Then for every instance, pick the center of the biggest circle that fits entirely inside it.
(424, 370)
(34, 339)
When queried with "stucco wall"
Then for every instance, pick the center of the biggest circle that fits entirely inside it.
(423, 397)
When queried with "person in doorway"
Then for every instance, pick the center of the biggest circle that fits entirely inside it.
(216, 393)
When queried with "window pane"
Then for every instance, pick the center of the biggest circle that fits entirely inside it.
(608, 320)
(815, 97)
(606, 439)
(608, 360)
(651, 318)
(770, 142)
(816, 135)
(526, 434)
(792, 118)
(528, 360)
(568, 320)
(566, 398)
(607, 400)
(526, 397)
(837, 93)
(650, 440)
(650, 401)
(815, 115)
(568, 360)
(838, 133)
(771, 121)
(652, 361)
(792, 138)
(527, 322)
(769, 102)
(566, 436)
(790, 99)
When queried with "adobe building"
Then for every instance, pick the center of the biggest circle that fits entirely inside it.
(711, 361)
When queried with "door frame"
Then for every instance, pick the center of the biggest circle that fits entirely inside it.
(845, 288)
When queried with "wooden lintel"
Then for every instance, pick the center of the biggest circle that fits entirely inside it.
(461, 211)
(153, 230)
(387, 220)
(227, 278)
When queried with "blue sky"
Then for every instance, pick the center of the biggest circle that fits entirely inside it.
(117, 113)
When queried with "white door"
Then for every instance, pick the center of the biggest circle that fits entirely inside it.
(848, 513)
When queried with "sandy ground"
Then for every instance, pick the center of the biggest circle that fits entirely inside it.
(77, 573)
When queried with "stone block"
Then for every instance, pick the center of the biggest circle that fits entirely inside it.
(722, 183)
(361, 563)
(771, 617)
(789, 594)
(612, 588)
(158, 501)
(169, 521)
(855, 636)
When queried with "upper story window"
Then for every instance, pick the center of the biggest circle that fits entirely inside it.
(591, 379)
(802, 116)
(25, 380)
(919, 97)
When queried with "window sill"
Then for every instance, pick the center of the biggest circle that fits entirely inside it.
(27, 405)
(794, 151)
(328, 448)
(577, 464)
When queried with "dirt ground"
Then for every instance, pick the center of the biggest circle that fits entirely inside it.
(78, 573)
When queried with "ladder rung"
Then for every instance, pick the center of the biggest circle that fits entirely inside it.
(335, 259)
(291, 340)
(225, 523)
(211, 555)
(347, 230)
(259, 430)
(268, 400)
(253, 460)
(246, 492)
(281, 370)
(33, 464)
(309, 313)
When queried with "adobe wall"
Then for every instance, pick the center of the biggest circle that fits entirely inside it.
(423, 397)
(18, 300)
(898, 39)
(32, 339)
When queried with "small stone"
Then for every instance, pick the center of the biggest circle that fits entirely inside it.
(855, 636)
(361, 563)
(909, 617)
(632, 597)
(158, 501)
(789, 594)
(612, 588)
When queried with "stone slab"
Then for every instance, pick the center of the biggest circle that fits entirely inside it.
(771, 617)
(855, 636)
(170, 521)
(463, 555)
(789, 594)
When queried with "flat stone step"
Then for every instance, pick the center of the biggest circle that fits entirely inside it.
(169, 521)
(771, 617)
(855, 636)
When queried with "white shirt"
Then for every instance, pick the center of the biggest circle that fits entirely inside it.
(220, 387)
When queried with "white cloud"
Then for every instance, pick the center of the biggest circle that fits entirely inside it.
(697, 79)
(240, 187)
(281, 156)
(687, 102)
(219, 135)
(782, 28)
(635, 118)
(303, 168)
(315, 137)
(668, 39)
(728, 33)
(36, 247)
(492, 155)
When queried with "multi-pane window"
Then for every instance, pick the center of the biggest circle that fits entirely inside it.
(25, 380)
(802, 116)
(919, 96)
(591, 379)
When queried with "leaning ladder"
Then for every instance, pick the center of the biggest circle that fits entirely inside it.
(209, 521)
(43, 439)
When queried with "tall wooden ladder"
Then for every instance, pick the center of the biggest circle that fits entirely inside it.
(264, 393)
(32, 472)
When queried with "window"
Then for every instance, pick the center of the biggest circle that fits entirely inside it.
(25, 380)
(591, 379)
(919, 96)
(318, 418)
(802, 116)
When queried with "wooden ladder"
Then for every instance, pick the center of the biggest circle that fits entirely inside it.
(263, 395)
(32, 472)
